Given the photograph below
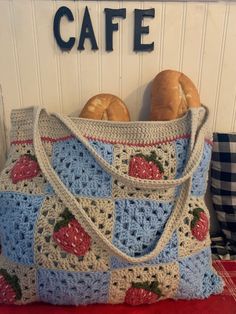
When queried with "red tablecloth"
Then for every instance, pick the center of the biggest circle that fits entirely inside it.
(224, 303)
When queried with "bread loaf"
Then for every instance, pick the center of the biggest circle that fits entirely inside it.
(171, 95)
(105, 107)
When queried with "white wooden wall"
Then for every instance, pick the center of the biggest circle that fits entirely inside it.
(198, 38)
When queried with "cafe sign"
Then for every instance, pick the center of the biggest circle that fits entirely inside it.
(112, 17)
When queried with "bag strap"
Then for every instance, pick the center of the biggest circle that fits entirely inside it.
(195, 153)
(71, 202)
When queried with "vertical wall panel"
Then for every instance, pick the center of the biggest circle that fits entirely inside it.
(225, 116)
(150, 61)
(213, 56)
(130, 63)
(67, 62)
(89, 72)
(233, 128)
(110, 61)
(174, 19)
(47, 63)
(21, 19)
(193, 40)
(9, 69)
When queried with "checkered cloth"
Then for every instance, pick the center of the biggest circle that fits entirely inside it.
(223, 189)
(219, 247)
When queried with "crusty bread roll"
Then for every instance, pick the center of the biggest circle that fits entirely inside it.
(171, 95)
(105, 107)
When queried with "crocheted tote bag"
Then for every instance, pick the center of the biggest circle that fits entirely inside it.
(105, 212)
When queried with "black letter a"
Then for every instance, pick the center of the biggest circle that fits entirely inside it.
(87, 32)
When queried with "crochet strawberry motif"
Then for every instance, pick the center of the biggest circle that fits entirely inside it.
(143, 293)
(199, 224)
(10, 290)
(146, 167)
(25, 168)
(70, 236)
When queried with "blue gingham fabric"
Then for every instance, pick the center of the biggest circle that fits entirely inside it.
(223, 189)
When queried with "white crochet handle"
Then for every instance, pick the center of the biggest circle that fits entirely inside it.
(71, 202)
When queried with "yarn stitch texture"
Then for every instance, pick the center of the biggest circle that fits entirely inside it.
(51, 253)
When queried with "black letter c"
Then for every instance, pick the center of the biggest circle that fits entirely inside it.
(63, 11)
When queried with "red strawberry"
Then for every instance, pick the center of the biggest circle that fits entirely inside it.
(199, 224)
(25, 168)
(146, 167)
(70, 236)
(143, 293)
(10, 290)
